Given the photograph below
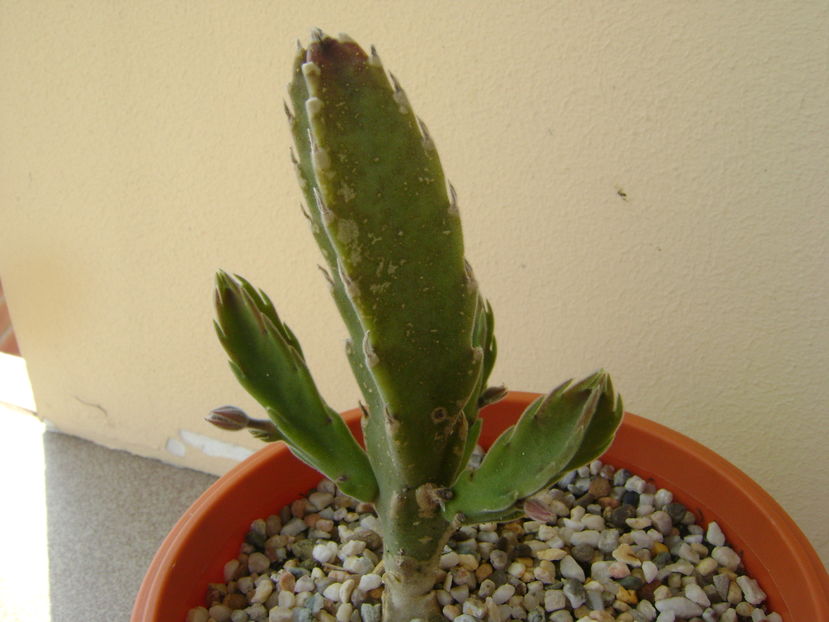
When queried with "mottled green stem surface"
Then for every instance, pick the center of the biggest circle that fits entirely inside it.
(421, 341)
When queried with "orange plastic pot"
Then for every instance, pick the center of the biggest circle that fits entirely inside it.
(773, 548)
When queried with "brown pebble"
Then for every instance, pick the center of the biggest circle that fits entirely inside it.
(215, 594)
(285, 581)
(236, 601)
(599, 487)
(646, 591)
(376, 593)
(273, 525)
(298, 507)
(483, 571)
(608, 502)
(311, 519)
(627, 596)
(258, 563)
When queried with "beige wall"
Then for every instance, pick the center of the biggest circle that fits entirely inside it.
(143, 147)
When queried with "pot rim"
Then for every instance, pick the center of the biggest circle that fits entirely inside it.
(783, 561)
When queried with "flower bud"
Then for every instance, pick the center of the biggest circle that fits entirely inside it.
(228, 418)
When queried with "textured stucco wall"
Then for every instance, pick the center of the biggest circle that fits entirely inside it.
(643, 186)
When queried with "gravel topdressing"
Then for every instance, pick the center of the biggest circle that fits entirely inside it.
(602, 545)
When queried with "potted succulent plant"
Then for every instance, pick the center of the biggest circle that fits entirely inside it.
(421, 344)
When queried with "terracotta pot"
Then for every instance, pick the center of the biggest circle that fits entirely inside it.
(773, 548)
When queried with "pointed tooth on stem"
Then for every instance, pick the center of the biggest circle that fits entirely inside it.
(327, 277)
(345, 38)
(289, 113)
(469, 276)
(350, 284)
(317, 35)
(453, 201)
(371, 356)
(322, 162)
(374, 58)
(400, 97)
(326, 214)
(395, 82)
(303, 183)
(426, 137)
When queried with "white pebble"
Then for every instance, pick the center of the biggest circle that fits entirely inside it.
(332, 592)
(344, 612)
(686, 552)
(503, 594)
(551, 554)
(370, 522)
(683, 567)
(593, 521)
(264, 589)
(449, 560)
(680, 605)
(444, 597)
(470, 562)
(726, 556)
(554, 600)
(460, 593)
(600, 571)
(352, 547)
(649, 570)
(570, 569)
(695, 593)
(619, 570)
(624, 553)
(370, 582)
(346, 589)
(646, 608)
(636, 484)
(662, 521)
(588, 536)
(324, 552)
(714, 534)
(641, 522)
(516, 569)
(751, 590)
(474, 607)
(304, 584)
(666, 616)
(320, 500)
(706, 566)
(662, 498)
(293, 527)
(280, 614)
(358, 564)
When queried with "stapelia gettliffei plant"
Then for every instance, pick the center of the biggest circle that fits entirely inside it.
(420, 343)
